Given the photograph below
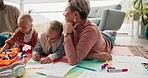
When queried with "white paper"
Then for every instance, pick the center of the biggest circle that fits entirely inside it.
(59, 69)
(37, 65)
(92, 74)
(130, 59)
(50, 76)
(132, 67)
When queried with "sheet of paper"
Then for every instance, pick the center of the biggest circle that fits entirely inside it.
(37, 64)
(59, 69)
(92, 74)
(130, 59)
(132, 67)
(50, 76)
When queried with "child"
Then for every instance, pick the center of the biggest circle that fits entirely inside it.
(50, 43)
(24, 34)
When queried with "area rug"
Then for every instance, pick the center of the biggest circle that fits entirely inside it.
(137, 50)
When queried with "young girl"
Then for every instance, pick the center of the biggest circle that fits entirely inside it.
(25, 34)
(50, 43)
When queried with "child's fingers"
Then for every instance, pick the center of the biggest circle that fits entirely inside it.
(49, 61)
(45, 61)
(36, 57)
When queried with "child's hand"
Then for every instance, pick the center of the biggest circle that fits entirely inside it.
(46, 60)
(36, 57)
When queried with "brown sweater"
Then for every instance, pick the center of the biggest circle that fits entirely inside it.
(8, 19)
(84, 39)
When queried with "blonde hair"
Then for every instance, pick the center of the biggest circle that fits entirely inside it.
(82, 6)
(55, 26)
(26, 18)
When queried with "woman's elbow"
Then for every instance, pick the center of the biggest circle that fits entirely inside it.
(73, 63)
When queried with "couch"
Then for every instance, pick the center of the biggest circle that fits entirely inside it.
(107, 17)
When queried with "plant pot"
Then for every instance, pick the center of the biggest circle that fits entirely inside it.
(146, 34)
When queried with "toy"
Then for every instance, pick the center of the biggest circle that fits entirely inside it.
(107, 65)
(8, 57)
(26, 50)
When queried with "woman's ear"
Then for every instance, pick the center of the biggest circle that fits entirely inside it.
(76, 13)
(31, 25)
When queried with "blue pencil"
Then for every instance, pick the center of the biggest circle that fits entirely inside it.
(86, 68)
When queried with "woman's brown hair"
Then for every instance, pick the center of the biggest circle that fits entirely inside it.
(82, 6)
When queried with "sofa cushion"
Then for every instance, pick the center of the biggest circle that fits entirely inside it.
(97, 11)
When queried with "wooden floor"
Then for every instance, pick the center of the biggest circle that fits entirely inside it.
(124, 36)
(127, 40)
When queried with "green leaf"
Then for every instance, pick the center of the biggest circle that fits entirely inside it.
(146, 4)
(145, 11)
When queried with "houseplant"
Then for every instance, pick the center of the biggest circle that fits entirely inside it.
(140, 8)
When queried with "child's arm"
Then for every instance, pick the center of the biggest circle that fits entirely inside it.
(11, 41)
(4, 47)
(34, 38)
(37, 48)
(37, 51)
(59, 53)
(17, 36)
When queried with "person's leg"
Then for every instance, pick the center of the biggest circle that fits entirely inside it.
(111, 35)
(3, 38)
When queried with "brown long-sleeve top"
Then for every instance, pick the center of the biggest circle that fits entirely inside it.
(84, 39)
(18, 38)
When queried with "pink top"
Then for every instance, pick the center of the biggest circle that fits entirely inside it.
(84, 39)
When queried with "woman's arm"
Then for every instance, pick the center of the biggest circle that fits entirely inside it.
(77, 53)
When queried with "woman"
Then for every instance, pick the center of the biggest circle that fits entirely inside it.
(82, 38)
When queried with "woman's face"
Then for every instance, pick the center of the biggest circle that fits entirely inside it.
(51, 35)
(24, 27)
(69, 15)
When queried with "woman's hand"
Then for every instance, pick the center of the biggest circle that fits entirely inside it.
(46, 60)
(36, 57)
(103, 56)
(69, 27)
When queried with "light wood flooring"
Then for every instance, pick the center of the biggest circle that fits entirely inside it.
(127, 40)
